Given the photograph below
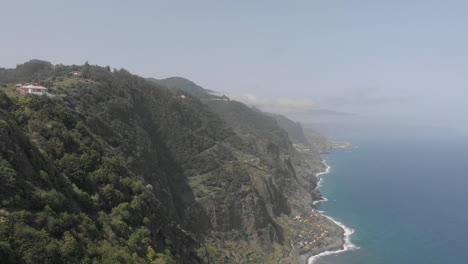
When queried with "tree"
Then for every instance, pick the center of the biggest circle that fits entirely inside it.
(6, 253)
(86, 70)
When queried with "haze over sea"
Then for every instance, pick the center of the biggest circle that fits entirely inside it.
(406, 199)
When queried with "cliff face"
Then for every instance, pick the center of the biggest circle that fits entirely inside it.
(115, 168)
(282, 152)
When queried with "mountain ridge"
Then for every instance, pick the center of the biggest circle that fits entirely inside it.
(154, 174)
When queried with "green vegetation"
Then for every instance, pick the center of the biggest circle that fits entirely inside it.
(68, 194)
(69, 82)
(65, 195)
(118, 169)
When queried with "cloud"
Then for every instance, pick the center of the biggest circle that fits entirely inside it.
(362, 100)
(280, 105)
(363, 97)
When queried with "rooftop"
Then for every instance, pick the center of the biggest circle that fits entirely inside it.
(30, 86)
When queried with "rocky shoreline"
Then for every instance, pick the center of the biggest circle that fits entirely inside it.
(335, 246)
(336, 240)
(320, 233)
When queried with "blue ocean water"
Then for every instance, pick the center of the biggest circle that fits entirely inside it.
(407, 200)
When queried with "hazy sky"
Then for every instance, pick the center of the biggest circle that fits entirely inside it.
(395, 59)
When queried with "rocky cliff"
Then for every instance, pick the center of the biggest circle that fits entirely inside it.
(117, 169)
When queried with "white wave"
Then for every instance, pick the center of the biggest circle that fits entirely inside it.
(323, 199)
(319, 184)
(327, 170)
(346, 246)
(347, 231)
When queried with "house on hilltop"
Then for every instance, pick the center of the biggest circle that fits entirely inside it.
(75, 73)
(32, 89)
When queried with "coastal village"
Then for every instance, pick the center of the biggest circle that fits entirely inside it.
(313, 230)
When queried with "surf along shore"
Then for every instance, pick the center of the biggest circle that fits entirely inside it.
(328, 241)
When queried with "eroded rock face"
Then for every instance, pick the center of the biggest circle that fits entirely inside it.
(282, 180)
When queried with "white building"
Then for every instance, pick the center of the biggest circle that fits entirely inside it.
(33, 89)
(75, 73)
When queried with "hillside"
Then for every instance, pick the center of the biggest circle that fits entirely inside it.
(181, 84)
(294, 129)
(306, 138)
(294, 165)
(117, 169)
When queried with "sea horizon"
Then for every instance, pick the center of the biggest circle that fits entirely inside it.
(381, 191)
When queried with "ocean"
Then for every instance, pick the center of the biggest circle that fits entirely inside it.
(405, 199)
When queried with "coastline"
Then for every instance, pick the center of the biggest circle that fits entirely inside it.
(319, 184)
(339, 246)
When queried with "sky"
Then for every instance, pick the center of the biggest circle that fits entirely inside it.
(397, 60)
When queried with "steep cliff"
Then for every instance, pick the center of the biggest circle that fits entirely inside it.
(117, 169)
(290, 163)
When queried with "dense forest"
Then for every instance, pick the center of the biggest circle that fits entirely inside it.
(115, 168)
